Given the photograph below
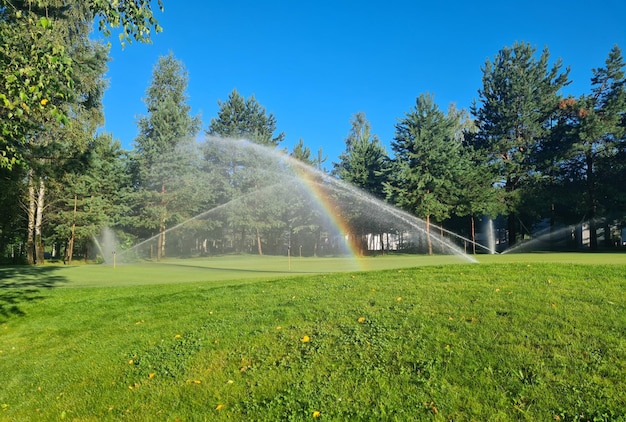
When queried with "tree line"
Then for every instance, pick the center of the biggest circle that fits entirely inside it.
(523, 150)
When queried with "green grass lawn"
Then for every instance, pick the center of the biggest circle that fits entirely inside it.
(515, 337)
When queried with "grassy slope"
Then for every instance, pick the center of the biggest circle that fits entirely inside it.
(503, 341)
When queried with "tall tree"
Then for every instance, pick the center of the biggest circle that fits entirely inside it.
(519, 96)
(302, 152)
(164, 146)
(364, 163)
(49, 153)
(87, 197)
(239, 118)
(596, 127)
(425, 165)
(245, 118)
(37, 66)
(478, 195)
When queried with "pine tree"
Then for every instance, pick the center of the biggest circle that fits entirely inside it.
(245, 119)
(519, 96)
(364, 163)
(595, 127)
(244, 172)
(165, 154)
(426, 163)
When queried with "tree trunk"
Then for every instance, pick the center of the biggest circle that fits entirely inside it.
(161, 241)
(511, 218)
(39, 249)
(430, 243)
(608, 242)
(258, 241)
(591, 192)
(511, 226)
(473, 228)
(30, 235)
(69, 250)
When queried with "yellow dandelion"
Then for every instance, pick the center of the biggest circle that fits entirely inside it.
(152, 374)
(361, 320)
(279, 328)
(44, 101)
(497, 290)
(305, 339)
(130, 362)
(177, 336)
(399, 298)
(317, 414)
(219, 407)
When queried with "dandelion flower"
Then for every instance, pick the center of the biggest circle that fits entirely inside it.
(279, 328)
(361, 320)
(177, 336)
(219, 407)
(317, 414)
(399, 298)
(44, 101)
(305, 339)
(152, 374)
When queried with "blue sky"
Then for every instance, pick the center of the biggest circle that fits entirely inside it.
(314, 64)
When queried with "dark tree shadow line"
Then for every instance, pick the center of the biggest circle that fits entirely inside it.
(21, 284)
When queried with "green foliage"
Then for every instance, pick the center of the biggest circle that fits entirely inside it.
(39, 70)
(530, 341)
(165, 160)
(518, 99)
(364, 163)
(245, 119)
(135, 18)
(426, 163)
(36, 79)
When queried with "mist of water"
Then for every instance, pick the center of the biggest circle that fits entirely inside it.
(339, 207)
(108, 246)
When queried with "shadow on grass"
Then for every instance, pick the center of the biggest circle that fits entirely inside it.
(22, 284)
(240, 270)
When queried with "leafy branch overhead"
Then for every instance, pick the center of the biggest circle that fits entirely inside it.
(37, 70)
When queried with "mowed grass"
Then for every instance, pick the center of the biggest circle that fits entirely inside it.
(537, 339)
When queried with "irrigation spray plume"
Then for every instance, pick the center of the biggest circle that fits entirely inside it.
(331, 198)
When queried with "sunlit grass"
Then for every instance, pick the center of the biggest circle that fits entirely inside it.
(502, 341)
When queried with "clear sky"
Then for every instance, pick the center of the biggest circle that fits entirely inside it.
(314, 64)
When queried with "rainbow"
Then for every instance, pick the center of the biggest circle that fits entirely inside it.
(329, 207)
